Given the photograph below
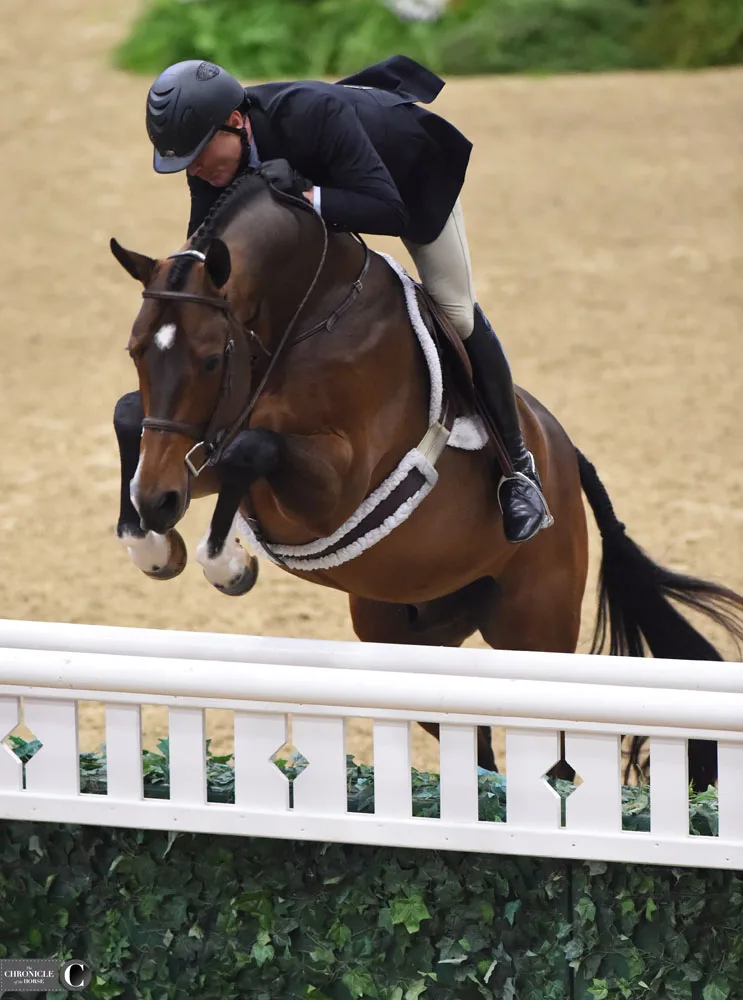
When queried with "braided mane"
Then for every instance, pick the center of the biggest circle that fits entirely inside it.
(246, 185)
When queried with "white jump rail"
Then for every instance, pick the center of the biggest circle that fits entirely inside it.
(47, 668)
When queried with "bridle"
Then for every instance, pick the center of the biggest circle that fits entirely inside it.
(214, 435)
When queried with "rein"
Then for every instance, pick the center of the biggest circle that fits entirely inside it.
(212, 439)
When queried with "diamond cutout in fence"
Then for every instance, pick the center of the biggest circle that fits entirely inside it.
(290, 761)
(22, 742)
(559, 779)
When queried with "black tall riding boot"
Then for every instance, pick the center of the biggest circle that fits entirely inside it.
(525, 510)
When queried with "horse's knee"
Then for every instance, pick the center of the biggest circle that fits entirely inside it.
(255, 453)
(128, 413)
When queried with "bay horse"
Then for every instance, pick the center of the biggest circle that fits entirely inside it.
(277, 369)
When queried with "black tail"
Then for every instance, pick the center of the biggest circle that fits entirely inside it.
(635, 612)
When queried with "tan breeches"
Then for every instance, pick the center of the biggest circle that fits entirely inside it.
(445, 270)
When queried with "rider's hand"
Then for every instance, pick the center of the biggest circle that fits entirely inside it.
(284, 177)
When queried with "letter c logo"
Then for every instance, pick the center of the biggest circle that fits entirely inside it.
(75, 975)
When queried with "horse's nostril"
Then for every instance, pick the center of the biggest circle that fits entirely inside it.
(168, 503)
(160, 512)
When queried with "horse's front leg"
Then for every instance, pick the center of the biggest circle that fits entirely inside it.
(161, 557)
(227, 566)
(253, 454)
(307, 473)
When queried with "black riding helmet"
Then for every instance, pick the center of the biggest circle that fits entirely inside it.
(186, 105)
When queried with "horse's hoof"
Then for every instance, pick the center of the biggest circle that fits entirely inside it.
(244, 583)
(177, 559)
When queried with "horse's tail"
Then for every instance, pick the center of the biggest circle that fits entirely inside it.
(635, 593)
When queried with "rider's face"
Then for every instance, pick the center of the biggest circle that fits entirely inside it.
(218, 161)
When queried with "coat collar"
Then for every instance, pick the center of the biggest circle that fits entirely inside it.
(266, 139)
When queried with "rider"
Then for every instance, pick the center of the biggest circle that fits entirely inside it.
(379, 163)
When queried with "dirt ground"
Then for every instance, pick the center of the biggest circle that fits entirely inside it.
(606, 228)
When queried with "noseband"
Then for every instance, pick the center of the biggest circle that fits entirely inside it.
(212, 438)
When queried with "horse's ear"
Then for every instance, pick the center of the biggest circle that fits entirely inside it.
(218, 264)
(139, 266)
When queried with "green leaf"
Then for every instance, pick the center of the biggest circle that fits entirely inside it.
(573, 949)
(359, 983)
(172, 837)
(596, 867)
(416, 989)
(650, 909)
(313, 993)
(322, 956)
(586, 910)
(262, 953)
(510, 910)
(340, 934)
(410, 912)
(599, 990)
(717, 989)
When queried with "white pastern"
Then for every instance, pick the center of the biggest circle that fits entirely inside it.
(150, 553)
(165, 336)
(229, 566)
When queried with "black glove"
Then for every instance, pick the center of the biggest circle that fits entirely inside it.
(284, 177)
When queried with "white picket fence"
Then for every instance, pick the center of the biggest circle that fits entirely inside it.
(46, 669)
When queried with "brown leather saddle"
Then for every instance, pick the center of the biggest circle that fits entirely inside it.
(459, 385)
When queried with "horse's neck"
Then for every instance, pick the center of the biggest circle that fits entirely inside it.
(282, 265)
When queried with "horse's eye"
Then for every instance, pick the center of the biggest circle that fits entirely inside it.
(212, 363)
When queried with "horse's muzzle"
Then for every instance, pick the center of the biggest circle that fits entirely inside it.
(163, 511)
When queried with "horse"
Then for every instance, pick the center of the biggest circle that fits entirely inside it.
(277, 369)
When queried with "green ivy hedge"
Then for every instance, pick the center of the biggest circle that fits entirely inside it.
(161, 915)
(310, 38)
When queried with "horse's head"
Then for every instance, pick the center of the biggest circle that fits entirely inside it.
(189, 349)
(211, 313)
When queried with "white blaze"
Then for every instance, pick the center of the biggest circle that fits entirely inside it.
(165, 336)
